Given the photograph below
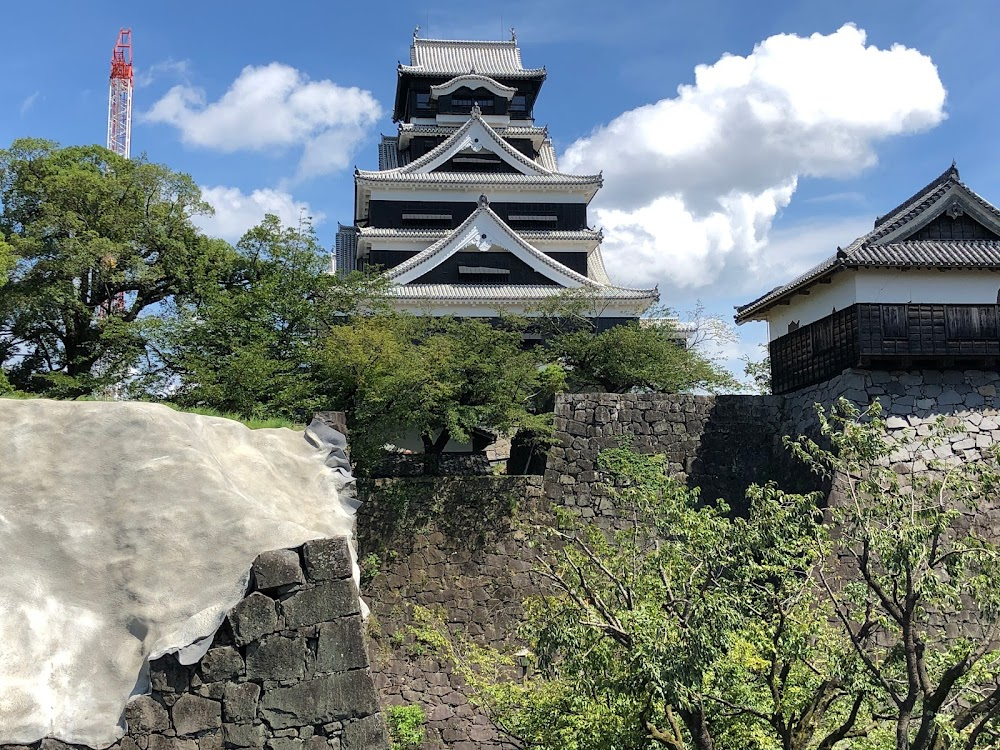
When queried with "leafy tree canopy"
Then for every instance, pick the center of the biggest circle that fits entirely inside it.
(87, 227)
(249, 344)
(437, 377)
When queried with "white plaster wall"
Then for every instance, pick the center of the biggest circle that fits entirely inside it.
(955, 287)
(820, 302)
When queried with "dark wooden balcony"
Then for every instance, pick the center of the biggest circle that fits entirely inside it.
(893, 337)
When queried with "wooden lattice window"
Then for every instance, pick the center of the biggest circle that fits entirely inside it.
(894, 322)
(822, 333)
(971, 321)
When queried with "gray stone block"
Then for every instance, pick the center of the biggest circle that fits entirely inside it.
(327, 559)
(193, 714)
(276, 569)
(243, 735)
(341, 646)
(276, 657)
(223, 663)
(284, 743)
(239, 702)
(210, 741)
(318, 701)
(253, 617)
(144, 715)
(325, 601)
(159, 742)
(366, 734)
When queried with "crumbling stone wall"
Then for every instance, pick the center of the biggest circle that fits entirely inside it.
(288, 669)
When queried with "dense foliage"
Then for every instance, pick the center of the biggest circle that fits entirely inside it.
(438, 377)
(249, 344)
(89, 228)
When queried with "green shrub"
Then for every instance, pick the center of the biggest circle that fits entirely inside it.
(406, 726)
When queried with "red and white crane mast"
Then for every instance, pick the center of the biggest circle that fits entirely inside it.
(120, 96)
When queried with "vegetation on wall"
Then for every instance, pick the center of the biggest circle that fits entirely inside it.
(406, 727)
(788, 628)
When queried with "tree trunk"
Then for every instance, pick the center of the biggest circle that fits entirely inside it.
(435, 446)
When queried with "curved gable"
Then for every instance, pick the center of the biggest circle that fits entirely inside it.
(486, 233)
(473, 81)
(475, 135)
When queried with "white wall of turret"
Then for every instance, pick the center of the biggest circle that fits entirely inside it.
(885, 286)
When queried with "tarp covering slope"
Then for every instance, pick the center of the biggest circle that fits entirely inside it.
(127, 531)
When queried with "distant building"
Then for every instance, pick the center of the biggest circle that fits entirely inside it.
(920, 290)
(468, 213)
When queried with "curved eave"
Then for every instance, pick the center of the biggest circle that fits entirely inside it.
(474, 179)
(456, 293)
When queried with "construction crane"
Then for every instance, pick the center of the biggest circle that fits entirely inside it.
(120, 96)
(119, 127)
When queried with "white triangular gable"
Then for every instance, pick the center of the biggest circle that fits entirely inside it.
(485, 231)
(475, 135)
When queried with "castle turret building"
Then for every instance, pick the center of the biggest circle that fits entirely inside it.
(468, 213)
(921, 290)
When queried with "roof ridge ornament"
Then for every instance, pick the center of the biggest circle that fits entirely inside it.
(513, 35)
(476, 111)
(953, 170)
(416, 32)
(483, 201)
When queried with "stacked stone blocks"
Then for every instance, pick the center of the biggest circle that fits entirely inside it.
(288, 669)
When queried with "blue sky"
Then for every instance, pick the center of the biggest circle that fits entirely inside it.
(870, 122)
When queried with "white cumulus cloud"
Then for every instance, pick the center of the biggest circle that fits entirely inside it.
(274, 107)
(236, 211)
(693, 182)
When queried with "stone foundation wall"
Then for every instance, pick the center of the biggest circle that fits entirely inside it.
(458, 552)
(288, 669)
(452, 544)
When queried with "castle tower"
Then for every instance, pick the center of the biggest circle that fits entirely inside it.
(918, 292)
(468, 213)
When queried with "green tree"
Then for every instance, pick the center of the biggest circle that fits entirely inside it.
(248, 345)
(650, 354)
(685, 628)
(87, 227)
(436, 377)
(917, 593)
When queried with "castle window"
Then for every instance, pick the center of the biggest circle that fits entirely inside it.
(894, 322)
(971, 321)
(822, 333)
(424, 103)
(519, 104)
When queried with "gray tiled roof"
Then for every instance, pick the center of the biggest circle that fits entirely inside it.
(454, 57)
(489, 292)
(508, 131)
(538, 235)
(389, 155)
(878, 249)
(482, 178)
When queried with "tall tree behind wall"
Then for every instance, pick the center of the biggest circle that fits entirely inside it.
(89, 228)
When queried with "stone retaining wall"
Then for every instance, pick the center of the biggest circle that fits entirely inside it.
(288, 669)
(453, 544)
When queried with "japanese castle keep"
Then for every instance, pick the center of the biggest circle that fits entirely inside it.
(919, 291)
(468, 213)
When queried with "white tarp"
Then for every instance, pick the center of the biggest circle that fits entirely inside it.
(126, 532)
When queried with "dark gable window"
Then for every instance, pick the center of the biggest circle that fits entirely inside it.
(423, 102)
(519, 104)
